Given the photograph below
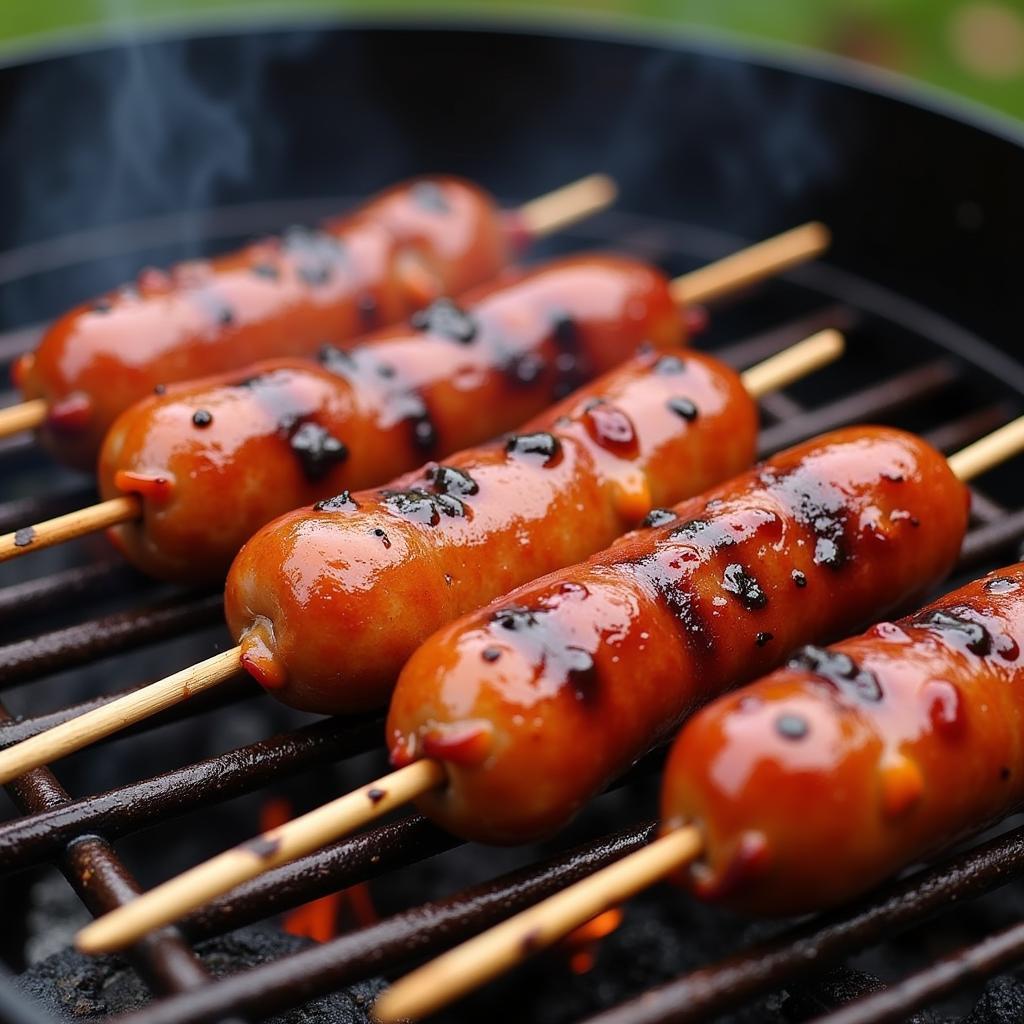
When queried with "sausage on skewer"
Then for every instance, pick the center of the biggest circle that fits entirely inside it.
(536, 702)
(856, 760)
(327, 603)
(287, 433)
(280, 296)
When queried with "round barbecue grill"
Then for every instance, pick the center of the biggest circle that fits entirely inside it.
(183, 145)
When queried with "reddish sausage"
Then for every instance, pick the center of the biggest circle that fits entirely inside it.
(856, 760)
(534, 703)
(215, 461)
(281, 296)
(328, 603)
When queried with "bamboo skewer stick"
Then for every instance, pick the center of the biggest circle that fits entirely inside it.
(989, 451)
(753, 264)
(793, 363)
(566, 205)
(548, 213)
(466, 967)
(294, 839)
(74, 524)
(24, 416)
(539, 217)
(333, 820)
(79, 732)
(480, 959)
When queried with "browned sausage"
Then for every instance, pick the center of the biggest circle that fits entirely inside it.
(534, 703)
(328, 603)
(281, 296)
(856, 760)
(215, 461)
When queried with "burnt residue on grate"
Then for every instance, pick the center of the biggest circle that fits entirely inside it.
(95, 988)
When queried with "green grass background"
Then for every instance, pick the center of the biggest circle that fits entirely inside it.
(914, 37)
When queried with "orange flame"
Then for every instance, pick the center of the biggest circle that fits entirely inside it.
(581, 944)
(321, 919)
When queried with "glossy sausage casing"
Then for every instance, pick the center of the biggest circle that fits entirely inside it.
(855, 761)
(563, 683)
(328, 603)
(282, 296)
(215, 461)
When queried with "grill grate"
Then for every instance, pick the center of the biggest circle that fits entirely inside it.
(906, 366)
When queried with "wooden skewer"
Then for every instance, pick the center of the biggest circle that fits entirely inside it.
(24, 416)
(793, 363)
(482, 958)
(989, 451)
(294, 839)
(79, 732)
(755, 263)
(67, 527)
(542, 216)
(327, 823)
(566, 205)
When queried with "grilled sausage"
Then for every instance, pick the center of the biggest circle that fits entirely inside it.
(327, 604)
(856, 760)
(281, 296)
(534, 703)
(216, 461)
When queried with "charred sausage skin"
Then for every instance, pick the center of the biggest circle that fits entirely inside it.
(854, 761)
(283, 434)
(280, 296)
(328, 603)
(537, 701)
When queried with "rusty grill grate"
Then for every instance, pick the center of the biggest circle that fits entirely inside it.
(906, 365)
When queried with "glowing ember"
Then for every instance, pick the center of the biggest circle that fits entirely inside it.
(581, 944)
(322, 919)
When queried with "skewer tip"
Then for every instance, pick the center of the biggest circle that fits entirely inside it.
(568, 204)
(754, 263)
(989, 451)
(793, 363)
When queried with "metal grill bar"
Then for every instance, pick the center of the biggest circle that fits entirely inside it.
(129, 808)
(991, 540)
(230, 692)
(336, 867)
(48, 593)
(973, 963)
(76, 645)
(875, 402)
(984, 509)
(103, 883)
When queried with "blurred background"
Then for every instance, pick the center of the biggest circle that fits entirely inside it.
(974, 48)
